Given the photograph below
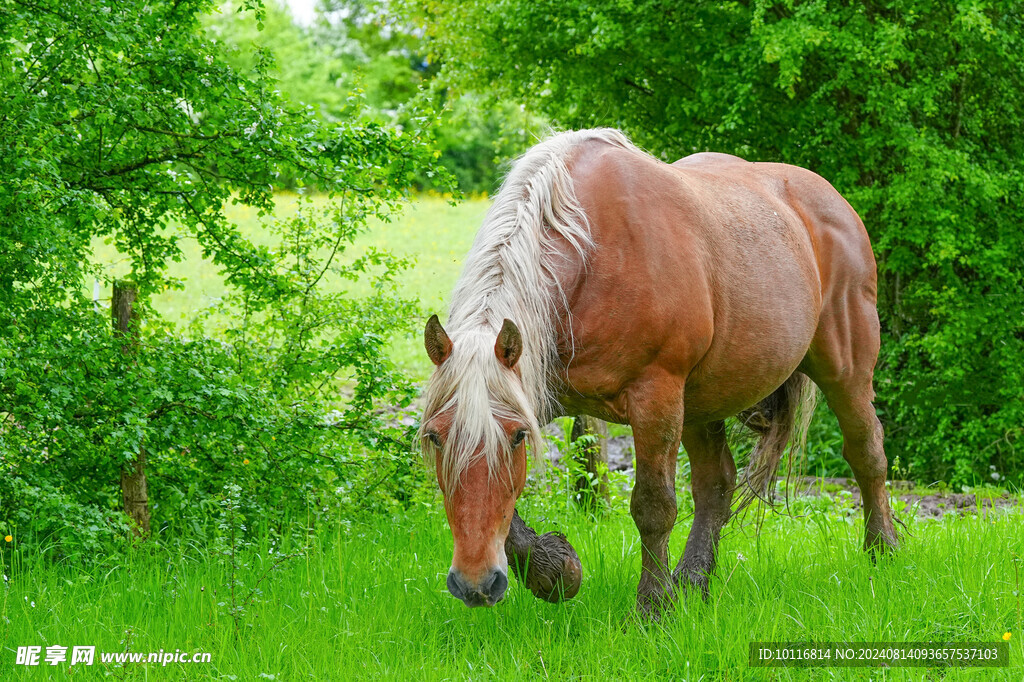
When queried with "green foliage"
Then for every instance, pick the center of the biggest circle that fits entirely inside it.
(127, 122)
(475, 134)
(306, 71)
(356, 54)
(479, 136)
(260, 408)
(911, 108)
(327, 65)
(392, 65)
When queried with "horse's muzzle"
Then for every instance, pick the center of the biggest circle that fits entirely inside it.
(488, 593)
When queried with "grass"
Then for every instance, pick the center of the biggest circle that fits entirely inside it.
(368, 601)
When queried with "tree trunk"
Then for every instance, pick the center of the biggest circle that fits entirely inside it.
(593, 483)
(134, 489)
(135, 493)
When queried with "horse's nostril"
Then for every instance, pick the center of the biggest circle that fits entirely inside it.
(455, 586)
(495, 590)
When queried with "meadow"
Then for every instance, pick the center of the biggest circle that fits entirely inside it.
(367, 599)
(434, 234)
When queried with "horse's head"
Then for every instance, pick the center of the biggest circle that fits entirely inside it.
(475, 426)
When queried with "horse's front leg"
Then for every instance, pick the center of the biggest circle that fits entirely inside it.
(653, 506)
(712, 478)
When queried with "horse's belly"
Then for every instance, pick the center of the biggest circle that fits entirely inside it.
(757, 346)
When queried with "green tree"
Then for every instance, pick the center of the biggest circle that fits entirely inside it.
(911, 108)
(360, 52)
(306, 70)
(126, 121)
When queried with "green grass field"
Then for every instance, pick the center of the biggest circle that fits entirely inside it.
(369, 602)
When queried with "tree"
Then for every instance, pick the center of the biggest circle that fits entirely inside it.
(911, 108)
(126, 121)
(360, 47)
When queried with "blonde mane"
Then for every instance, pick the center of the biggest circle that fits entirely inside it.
(510, 274)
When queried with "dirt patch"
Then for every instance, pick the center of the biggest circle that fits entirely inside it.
(620, 450)
(925, 505)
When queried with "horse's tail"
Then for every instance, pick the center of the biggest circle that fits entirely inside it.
(782, 417)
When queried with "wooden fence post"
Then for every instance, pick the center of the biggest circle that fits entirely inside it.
(134, 489)
(594, 460)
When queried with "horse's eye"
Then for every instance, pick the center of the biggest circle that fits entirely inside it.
(518, 438)
(434, 438)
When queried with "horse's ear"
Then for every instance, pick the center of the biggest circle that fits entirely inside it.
(436, 341)
(509, 345)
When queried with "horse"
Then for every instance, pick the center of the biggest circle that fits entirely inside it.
(668, 297)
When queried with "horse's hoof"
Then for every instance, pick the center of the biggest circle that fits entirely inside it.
(547, 564)
(881, 545)
(648, 612)
(654, 597)
(651, 608)
(689, 581)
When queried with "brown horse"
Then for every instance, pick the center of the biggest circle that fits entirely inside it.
(666, 297)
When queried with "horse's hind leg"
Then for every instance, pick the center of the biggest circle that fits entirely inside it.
(841, 362)
(862, 449)
(713, 478)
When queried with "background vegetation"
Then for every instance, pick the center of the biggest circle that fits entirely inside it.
(250, 178)
(132, 126)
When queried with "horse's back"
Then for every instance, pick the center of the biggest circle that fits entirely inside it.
(843, 257)
(841, 243)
